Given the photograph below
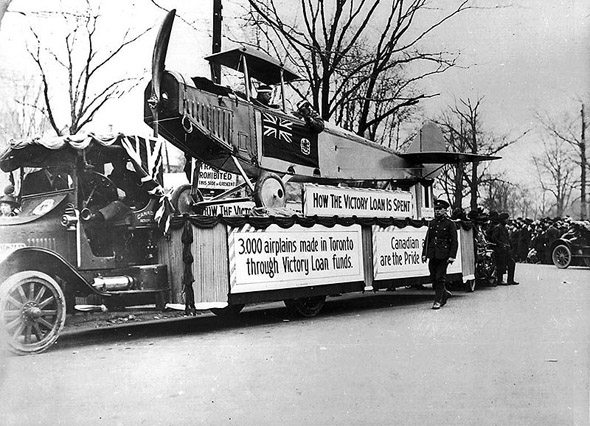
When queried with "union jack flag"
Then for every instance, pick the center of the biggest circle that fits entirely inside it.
(277, 127)
(146, 156)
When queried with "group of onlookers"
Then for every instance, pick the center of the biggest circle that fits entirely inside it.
(532, 240)
(529, 240)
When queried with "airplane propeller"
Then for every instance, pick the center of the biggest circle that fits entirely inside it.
(158, 59)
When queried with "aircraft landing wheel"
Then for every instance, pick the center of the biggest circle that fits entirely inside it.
(183, 199)
(269, 191)
(561, 256)
(32, 312)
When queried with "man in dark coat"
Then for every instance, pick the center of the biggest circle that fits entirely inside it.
(440, 248)
(552, 234)
(503, 252)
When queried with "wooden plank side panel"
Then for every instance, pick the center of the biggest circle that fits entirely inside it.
(170, 253)
(467, 252)
(367, 236)
(210, 268)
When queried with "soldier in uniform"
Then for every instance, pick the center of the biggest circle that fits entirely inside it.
(440, 248)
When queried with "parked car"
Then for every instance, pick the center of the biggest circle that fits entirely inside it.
(573, 248)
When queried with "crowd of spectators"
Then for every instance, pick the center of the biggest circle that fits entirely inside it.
(531, 240)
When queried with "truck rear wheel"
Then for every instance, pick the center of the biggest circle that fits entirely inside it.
(306, 306)
(32, 312)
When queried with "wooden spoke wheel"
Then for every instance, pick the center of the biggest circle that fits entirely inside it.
(486, 270)
(230, 311)
(32, 312)
(269, 191)
(561, 256)
(307, 306)
(183, 198)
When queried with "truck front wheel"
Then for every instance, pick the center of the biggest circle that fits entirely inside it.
(32, 312)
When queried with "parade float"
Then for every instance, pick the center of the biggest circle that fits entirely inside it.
(355, 220)
(327, 212)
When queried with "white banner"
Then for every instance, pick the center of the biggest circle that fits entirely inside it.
(397, 253)
(330, 201)
(209, 178)
(241, 208)
(277, 258)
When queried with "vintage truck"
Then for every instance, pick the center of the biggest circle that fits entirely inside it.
(75, 234)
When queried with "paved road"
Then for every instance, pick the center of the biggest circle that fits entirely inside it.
(515, 355)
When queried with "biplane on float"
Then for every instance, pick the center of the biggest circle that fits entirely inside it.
(269, 146)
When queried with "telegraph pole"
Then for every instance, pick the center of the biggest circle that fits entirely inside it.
(583, 209)
(217, 18)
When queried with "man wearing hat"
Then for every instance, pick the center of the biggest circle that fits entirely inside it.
(440, 248)
(502, 250)
(264, 94)
(8, 204)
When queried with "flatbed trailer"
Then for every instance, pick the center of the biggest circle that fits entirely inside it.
(222, 263)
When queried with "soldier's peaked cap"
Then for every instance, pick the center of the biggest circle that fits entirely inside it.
(441, 204)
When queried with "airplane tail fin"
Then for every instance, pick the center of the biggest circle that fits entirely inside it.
(429, 139)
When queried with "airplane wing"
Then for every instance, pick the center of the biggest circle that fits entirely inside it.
(444, 157)
(261, 66)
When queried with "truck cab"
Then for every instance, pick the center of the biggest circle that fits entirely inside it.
(83, 225)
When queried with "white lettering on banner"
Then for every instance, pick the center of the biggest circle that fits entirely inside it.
(397, 253)
(277, 258)
(329, 201)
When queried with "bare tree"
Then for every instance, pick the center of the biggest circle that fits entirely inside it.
(571, 128)
(356, 55)
(464, 131)
(501, 195)
(18, 119)
(555, 168)
(90, 72)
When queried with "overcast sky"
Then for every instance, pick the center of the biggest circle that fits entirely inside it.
(531, 56)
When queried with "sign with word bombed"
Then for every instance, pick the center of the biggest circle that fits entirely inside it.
(277, 258)
(210, 178)
(397, 253)
(330, 201)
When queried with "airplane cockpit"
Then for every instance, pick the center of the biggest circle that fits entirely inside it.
(255, 64)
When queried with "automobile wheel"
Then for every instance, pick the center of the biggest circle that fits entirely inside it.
(307, 307)
(32, 312)
(561, 256)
